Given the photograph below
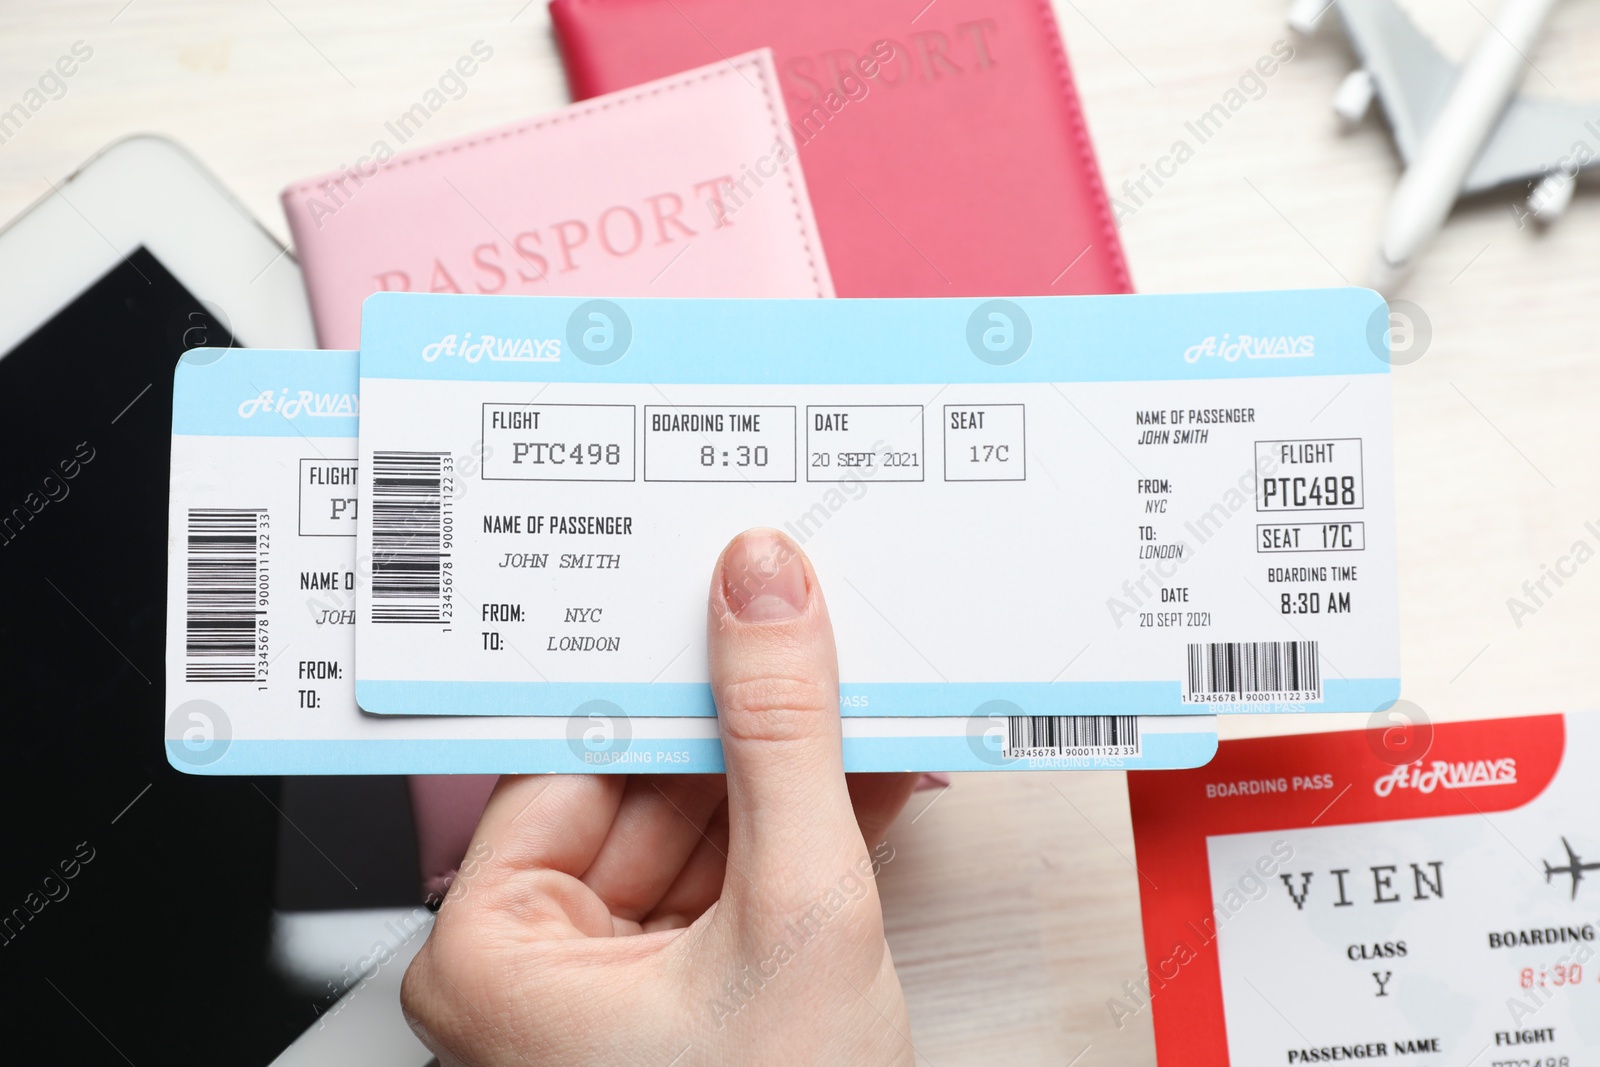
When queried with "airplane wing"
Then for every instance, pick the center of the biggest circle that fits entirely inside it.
(1572, 857)
(1535, 136)
(1413, 79)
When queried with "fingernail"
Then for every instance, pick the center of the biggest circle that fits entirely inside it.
(763, 577)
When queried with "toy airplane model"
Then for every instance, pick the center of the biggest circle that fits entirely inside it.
(1575, 867)
(1459, 129)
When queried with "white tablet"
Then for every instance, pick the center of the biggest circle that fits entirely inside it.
(140, 908)
(146, 193)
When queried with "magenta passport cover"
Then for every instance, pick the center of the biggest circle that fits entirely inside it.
(943, 142)
(626, 194)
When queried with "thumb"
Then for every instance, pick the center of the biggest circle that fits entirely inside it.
(775, 678)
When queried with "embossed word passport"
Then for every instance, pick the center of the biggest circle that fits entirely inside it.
(945, 144)
(262, 599)
(1412, 894)
(625, 194)
(1130, 505)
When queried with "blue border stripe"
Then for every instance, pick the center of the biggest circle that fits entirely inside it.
(704, 756)
(883, 699)
(266, 393)
(879, 342)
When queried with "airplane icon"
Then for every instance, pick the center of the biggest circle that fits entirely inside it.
(1575, 867)
(1460, 129)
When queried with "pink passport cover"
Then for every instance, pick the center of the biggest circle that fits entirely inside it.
(944, 142)
(621, 195)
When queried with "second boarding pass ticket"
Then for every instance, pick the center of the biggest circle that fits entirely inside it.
(1151, 505)
(1413, 893)
(262, 600)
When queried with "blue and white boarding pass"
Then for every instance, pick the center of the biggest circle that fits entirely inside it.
(1148, 505)
(261, 594)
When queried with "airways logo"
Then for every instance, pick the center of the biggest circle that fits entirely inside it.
(498, 349)
(304, 402)
(1281, 346)
(1460, 774)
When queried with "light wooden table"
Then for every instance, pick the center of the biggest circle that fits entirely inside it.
(1012, 901)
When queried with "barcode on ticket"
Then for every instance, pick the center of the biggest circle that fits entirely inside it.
(1238, 671)
(225, 595)
(1040, 736)
(410, 536)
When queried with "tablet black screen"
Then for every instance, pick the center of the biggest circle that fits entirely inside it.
(135, 902)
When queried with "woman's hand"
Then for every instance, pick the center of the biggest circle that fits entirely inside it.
(686, 919)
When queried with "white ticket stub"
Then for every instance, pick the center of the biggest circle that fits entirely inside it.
(1144, 504)
(262, 590)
